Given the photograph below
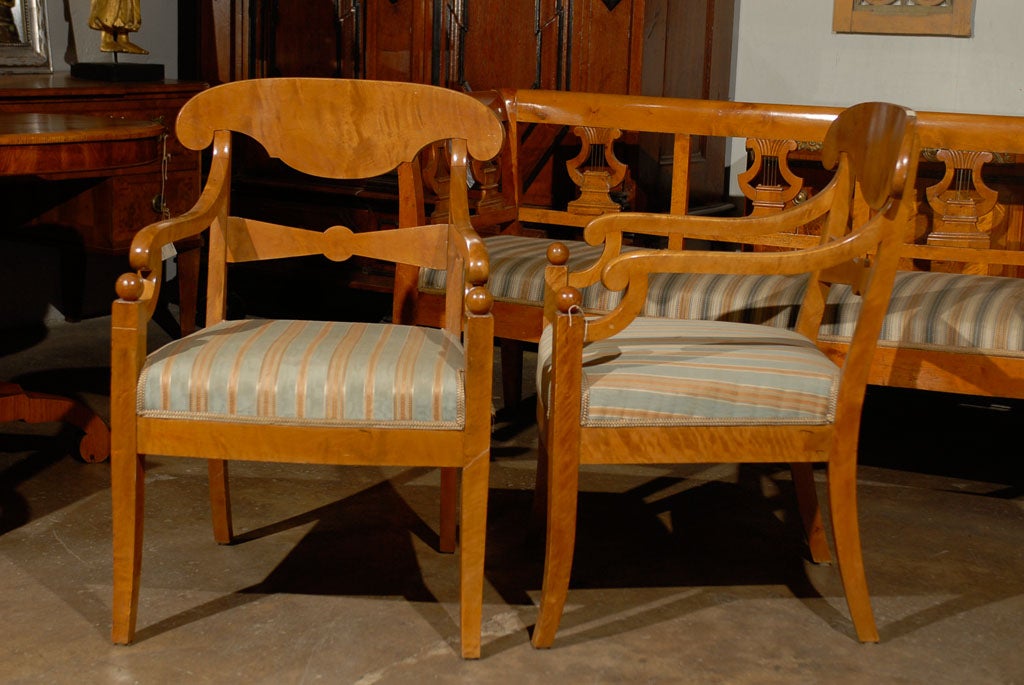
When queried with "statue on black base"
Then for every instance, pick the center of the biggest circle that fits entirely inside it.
(115, 19)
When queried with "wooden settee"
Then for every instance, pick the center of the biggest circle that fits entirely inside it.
(956, 323)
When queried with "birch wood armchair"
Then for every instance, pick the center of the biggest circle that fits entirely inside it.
(622, 388)
(314, 391)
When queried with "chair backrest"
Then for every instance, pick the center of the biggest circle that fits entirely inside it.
(339, 128)
(342, 129)
(873, 148)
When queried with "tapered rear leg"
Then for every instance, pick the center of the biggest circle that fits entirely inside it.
(511, 372)
(220, 500)
(449, 507)
(810, 511)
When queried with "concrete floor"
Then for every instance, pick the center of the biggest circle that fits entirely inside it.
(688, 575)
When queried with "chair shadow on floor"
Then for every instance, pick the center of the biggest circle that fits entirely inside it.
(683, 540)
(687, 544)
(360, 545)
(365, 544)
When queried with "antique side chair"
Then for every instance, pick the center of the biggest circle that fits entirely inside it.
(621, 388)
(320, 392)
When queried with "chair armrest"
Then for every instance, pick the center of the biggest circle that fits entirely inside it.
(630, 271)
(471, 249)
(729, 229)
(609, 229)
(146, 255)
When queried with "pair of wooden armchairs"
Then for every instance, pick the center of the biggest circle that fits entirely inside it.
(396, 394)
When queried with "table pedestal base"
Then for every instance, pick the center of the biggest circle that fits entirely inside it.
(17, 404)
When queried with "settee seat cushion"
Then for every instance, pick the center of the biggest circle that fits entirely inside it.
(517, 266)
(674, 372)
(929, 310)
(308, 372)
(941, 311)
(517, 276)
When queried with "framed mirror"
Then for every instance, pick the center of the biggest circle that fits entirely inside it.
(24, 47)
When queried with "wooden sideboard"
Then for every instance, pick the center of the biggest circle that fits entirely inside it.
(100, 213)
(107, 211)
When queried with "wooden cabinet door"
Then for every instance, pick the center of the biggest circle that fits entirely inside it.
(398, 39)
(583, 45)
(687, 54)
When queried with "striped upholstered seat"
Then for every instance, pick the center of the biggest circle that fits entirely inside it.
(929, 310)
(517, 271)
(336, 374)
(517, 276)
(689, 372)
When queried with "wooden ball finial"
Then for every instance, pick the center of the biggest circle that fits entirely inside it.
(479, 300)
(129, 287)
(558, 254)
(567, 298)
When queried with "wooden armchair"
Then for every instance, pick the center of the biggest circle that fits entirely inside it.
(312, 391)
(622, 388)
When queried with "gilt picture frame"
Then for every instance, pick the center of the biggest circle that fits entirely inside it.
(24, 43)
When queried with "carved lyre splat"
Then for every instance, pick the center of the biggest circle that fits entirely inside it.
(486, 177)
(437, 178)
(961, 201)
(769, 183)
(596, 170)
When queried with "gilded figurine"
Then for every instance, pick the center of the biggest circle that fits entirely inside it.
(115, 20)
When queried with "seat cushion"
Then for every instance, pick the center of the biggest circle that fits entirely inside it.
(517, 271)
(933, 310)
(665, 372)
(517, 276)
(308, 372)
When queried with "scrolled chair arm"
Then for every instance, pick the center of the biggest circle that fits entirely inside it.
(473, 252)
(708, 227)
(146, 246)
(630, 271)
(609, 228)
(146, 253)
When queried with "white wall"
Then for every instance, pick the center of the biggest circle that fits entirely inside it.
(786, 53)
(158, 34)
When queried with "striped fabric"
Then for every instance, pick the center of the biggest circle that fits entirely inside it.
(517, 276)
(761, 299)
(667, 372)
(517, 271)
(931, 310)
(308, 372)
